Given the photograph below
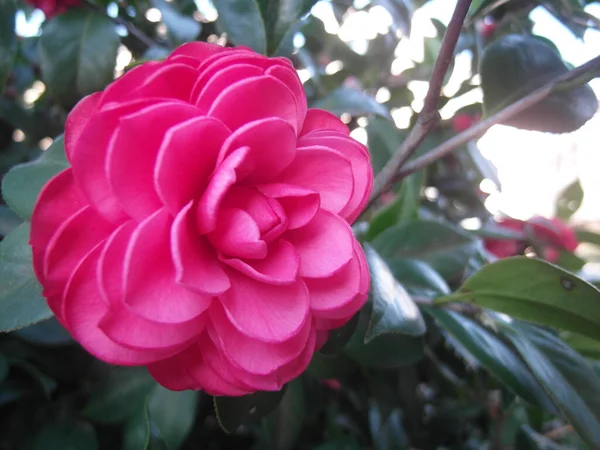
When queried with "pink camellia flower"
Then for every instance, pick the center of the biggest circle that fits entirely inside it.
(549, 235)
(203, 228)
(52, 8)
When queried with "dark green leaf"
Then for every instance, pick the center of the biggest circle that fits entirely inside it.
(567, 378)
(243, 23)
(351, 101)
(528, 439)
(339, 337)
(384, 139)
(404, 207)
(583, 344)
(328, 367)
(3, 368)
(393, 309)
(536, 291)
(494, 355)
(46, 333)
(8, 40)
(342, 443)
(445, 248)
(569, 200)
(119, 395)
(21, 300)
(141, 433)
(280, 19)
(78, 51)
(235, 411)
(587, 236)
(22, 185)
(386, 351)
(173, 413)
(389, 433)
(418, 277)
(181, 27)
(66, 435)
(8, 220)
(283, 426)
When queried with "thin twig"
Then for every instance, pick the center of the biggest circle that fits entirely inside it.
(510, 111)
(131, 28)
(429, 115)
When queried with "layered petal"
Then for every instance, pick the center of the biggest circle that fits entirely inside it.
(299, 204)
(266, 312)
(149, 275)
(196, 263)
(325, 171)
(77, 120)
(318, 120)
(132, 157)
(186, 159)
(325, 245)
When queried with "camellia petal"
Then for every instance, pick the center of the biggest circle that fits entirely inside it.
(320, 120)
(77, 120)
(266, 312)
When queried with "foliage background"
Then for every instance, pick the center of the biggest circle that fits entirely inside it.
(404, 373)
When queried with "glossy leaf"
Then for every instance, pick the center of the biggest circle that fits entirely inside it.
(235, 411)
(582, 344)
(528, 439)
(66, 435)
(8, 220)
(384, 139)
(47, 333)
(393, 309)
(402, 208)
(23, 183)
(567, 378)
(8, 40)
(78, 50)
(339, 337)
(494, 355)
(283, 426)
(386, 351)
(446, 248)
(21, 300)
(119, 395)
(174, 413)
(569, 200)
(181, 27)
(418, 277)
(353, 102)
(536, 291)
(243, 23)
(141, 433)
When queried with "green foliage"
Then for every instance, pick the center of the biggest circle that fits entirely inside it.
(451, 351)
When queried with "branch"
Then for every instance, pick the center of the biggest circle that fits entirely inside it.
(429, 115)
(480, 128)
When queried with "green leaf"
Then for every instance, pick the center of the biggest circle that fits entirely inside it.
(384, 139)
(3, 368)
(339, 337)
(393, 309)
(119, 395)
(494, 355)
(243, 23)
(173, 413)
(283, 426)
(386, 351)
(569, 200)
(78, 51)
(583, 344)
(8, 220)
(8, 40)
(445, 248)
(47, 333)
(351, 101)
(404, 207)
(418, 278)
(235, 411)
(141, 433)
(21, 300)
(568, 380)
(280, 19)
(536, 291)
(528, 439)
(21, 186)
(67, 435)
(329, 367)
(182, 28)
